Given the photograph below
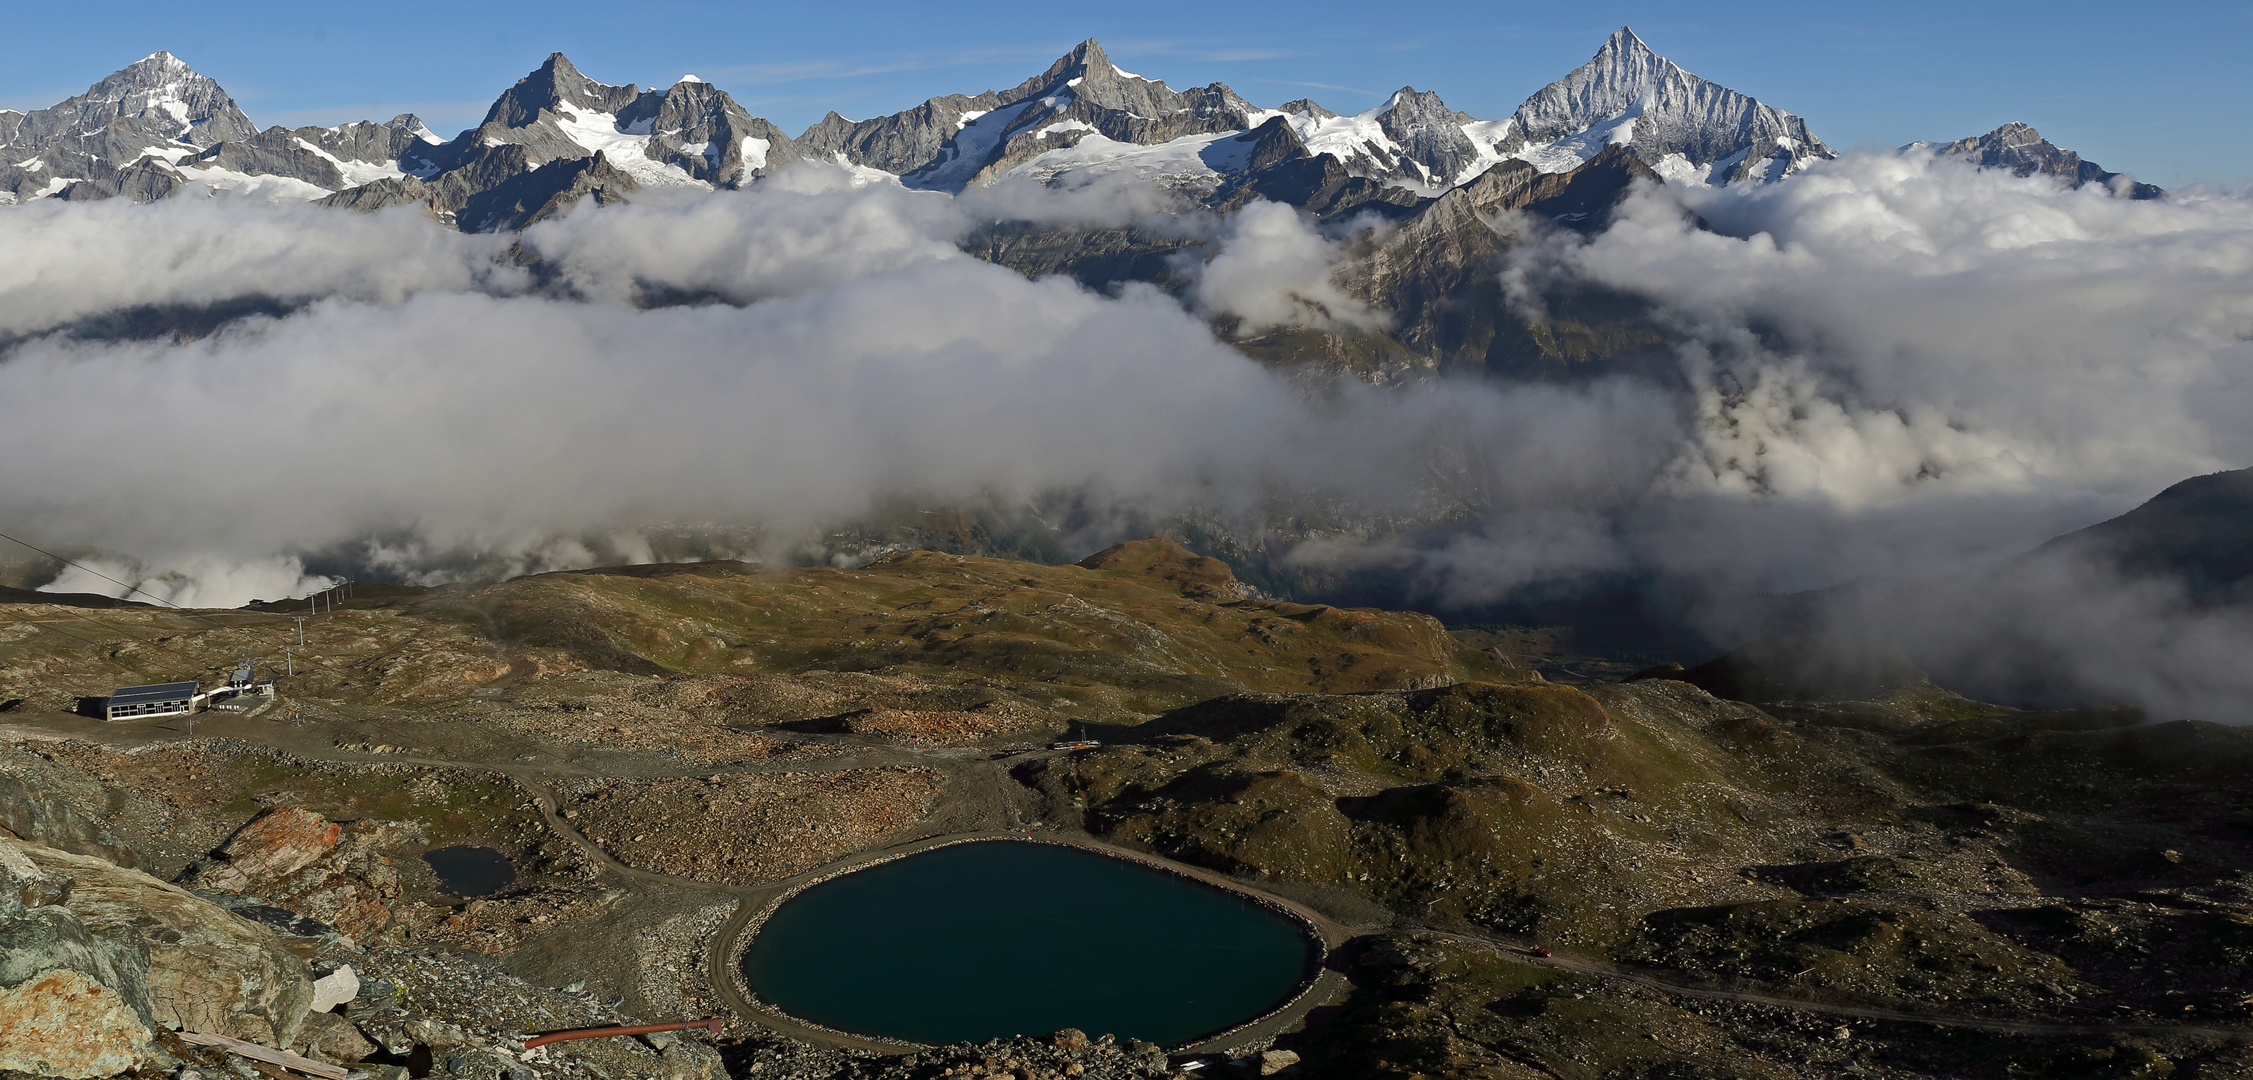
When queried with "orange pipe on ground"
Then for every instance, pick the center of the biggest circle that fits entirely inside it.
(712, 1025)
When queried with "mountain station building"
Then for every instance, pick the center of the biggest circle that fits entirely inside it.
(159, 699)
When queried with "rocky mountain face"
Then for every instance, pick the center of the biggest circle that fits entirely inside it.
(558, 136)
(2191, 535)
(602, 140)
(2020, 630)
(1085, 117)
(959, 141)
(2023, 150)
(147, 131)
(155, 108)
(1437, 271)
(150, 130)
(1683, 126)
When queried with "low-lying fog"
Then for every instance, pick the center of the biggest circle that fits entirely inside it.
(1897, 367)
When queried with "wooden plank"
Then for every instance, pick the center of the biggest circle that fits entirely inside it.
(266, 1054)
(713, 1025)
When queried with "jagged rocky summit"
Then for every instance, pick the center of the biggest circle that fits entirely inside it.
(557, 137)
(2022, 150)
(151, 129)
(1085, 116)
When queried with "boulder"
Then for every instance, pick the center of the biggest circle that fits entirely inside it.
(330, 1036)
(686, 1060)
(36, 812)
(62, 1023)
(207, 968)
(279, 842)
(314, 867)
(436, 1034)
(73, 1003)
(335, 988)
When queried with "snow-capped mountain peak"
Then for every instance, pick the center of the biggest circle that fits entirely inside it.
(1084, 111)
(552, 87)
(159, 97)
(1687, 128)
(156, 126)
(1624, 73)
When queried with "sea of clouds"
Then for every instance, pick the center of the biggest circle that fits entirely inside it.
(1889, 367)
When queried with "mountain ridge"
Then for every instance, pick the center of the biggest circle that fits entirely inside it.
(2016, 146)
(152, 128)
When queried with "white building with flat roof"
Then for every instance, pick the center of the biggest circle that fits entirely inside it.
(159, 699)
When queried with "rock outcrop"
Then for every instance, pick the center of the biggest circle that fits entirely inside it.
(205, 968)
(46, 806)
(72, 1002)
(2022, 150)
(312, 866)
(280, 841)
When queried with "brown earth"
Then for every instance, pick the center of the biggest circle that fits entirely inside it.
(748, 829)
(1963, 890)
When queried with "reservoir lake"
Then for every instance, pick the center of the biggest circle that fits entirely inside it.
(991, 938)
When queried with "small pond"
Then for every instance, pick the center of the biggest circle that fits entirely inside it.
(979, 940)
(470, 872)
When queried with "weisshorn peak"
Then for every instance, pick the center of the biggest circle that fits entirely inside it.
(1683, 126)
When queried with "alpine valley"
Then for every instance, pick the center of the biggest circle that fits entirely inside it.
(1611, 601)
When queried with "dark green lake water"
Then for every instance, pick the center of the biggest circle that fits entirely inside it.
(995, 938)
(470, 871)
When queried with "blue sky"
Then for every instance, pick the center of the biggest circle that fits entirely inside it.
(2164, 91)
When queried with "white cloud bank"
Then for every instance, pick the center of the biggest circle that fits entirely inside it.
(1894, 366)
(1903, 367)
